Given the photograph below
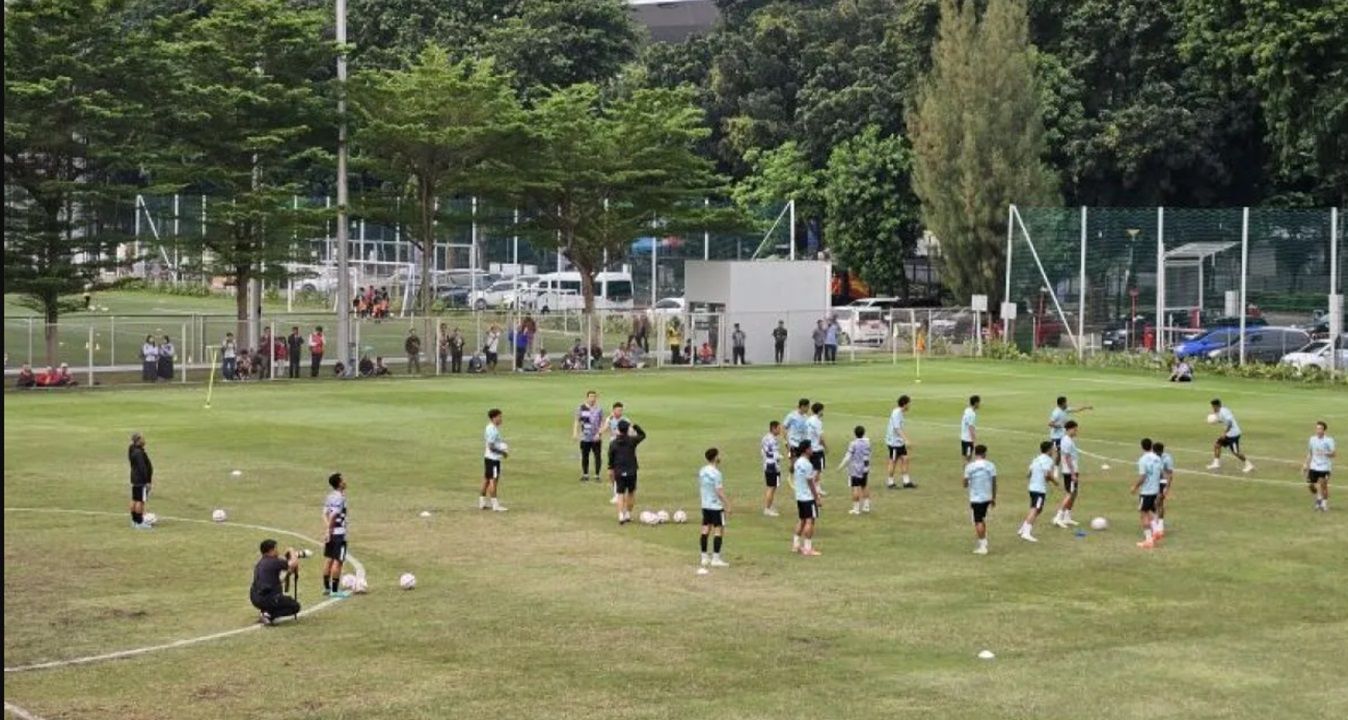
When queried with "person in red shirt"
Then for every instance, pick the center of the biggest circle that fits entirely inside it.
(26, 377)
(316, 343)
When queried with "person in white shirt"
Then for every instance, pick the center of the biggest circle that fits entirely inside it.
(968, 428)
(1320, 454)
(805, 481)
(229, 357)
(1229, 439)
(772, 467)
(492, 346)
(1040, 476)
(149, 360)
(714, 509)
(896, 439)
(857, 462)
(495, 451)
(980, 477)
(1070, 457)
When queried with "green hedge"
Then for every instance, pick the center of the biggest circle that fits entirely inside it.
(1152, 363)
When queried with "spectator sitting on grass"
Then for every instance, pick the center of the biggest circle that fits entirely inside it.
(571, 362)
(1182, 372)
(339, 370)
(541, 361)
(26, 377)
(380, 369)
(63, 378)
(705, 355)
(365, 367)
(622, 358)
(47, 378)
(687, 358)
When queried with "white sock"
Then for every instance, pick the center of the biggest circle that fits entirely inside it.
(1160, 524)
(907, 480)
(716, 556)
(982, 542)
(856, 506)
(1146, 534)
(1024, 528)
(705, 558)
(1057, 517)
(795, 541)
(1067, 515)
(495, 503)
(891, 480)
(809, 544)
(482, 501)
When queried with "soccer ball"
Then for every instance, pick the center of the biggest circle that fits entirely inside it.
(407, 581)
(647, 517)
(680, 517)
(662, 516)
(359, 586)
(1099, 524)
(151, 518)
(236, 474)
(504, 448)
(425, 513)
(1212, 418)
(219, 515)
(348, 582)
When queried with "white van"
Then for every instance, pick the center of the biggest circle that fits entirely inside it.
(561, 291)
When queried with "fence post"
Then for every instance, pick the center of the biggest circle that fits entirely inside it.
(1159, 322)
(1244, 274)
(91, 355)
(1335, 295)
(1010, 235)
(112, 340)
(271, 350)
(30, 341)
(1081, 293)
(184, 357)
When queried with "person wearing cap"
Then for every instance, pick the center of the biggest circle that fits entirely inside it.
(622, 467)
(142, 473)
(265, 593)
(63, 378)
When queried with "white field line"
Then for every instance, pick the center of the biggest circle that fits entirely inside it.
(19, 712)
(88, 659)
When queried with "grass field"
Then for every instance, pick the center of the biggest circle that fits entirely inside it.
(554, 611)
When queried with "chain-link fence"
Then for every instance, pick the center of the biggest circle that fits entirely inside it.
(1158, 279)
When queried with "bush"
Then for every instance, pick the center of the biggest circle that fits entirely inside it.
(1155, 364)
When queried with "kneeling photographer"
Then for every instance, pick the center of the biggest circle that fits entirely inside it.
(266, 593)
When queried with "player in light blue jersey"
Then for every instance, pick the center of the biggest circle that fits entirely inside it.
(969, 429)
(857, 462)
(1070, 457)
(712, 487)
(1040, 475)
(495, 452)
(1167, 477)
(772, 467)
(1147, 487)
(1057, 424)
(1320, 454)
(896, 438)
(1229, 439)
(805, 481)
(794, 427)
(980, 477)
(814, 433)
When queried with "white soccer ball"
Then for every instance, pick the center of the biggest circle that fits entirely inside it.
(986, 655)
(425, 513)
(150, 518)
(359, 586)
(236, 474)
(348, 582)
(647, 517)
(407, 581)
(1099, 524)
(662, 516)
(680, 517)
(1212, 418)
(504, 447)
(219, 515)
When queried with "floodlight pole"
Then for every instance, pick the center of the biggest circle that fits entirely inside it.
(1335, 294)
(1010, 234)
(1081, 292)
(345, 350)
(1160, 322)
(1244, 275)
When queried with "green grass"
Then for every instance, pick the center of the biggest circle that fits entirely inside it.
(553, 611)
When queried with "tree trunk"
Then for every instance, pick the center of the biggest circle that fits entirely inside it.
(587, 294)
(49, 331)
(424, 293)
(242, 276)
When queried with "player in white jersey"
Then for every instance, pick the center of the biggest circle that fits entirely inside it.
(610, 426)
(968, 428)
(1229, 439)
(334, 537)
(1320, 454)
(494, 452)
(1167, 476)
(896, 439)
(711, 487)
(805, 481)
(772, 467)
(1040, 476)
(980, 477)
(857, 462)
(1070, 456)
(1057, 425)
(814, 432)
(795, 428)
(1147, 487)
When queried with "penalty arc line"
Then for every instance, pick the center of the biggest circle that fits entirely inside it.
(185, 642)
(19, 712)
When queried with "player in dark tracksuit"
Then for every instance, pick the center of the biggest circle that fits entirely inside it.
(622, 465)
(142, 473)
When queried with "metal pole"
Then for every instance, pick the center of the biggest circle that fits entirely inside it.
(474, 263)
(1010, 230)
(655, 248)
(1244, 274)
(1160, 322)
(706, 236)
(112, 340)
(30, 341)
(1081, 292)
(344, 344)
(182, 357)
(791, 205)
(91, 354)
(1335, 296)
(516, 244)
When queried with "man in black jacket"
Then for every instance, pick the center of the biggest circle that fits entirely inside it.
(265, 593)
(622, 467)
(294, 345)
(142, 473)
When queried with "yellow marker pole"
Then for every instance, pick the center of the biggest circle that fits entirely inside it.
(210, 384)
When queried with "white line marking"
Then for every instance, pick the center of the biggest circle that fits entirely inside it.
(360, 569)
(19, 712)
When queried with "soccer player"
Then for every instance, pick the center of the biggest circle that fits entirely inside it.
(615, 416)
(142, 474)
(814, 432)
(980, 477)
(714, 508)
(1070, 457)
(968, 429)
(1057, 424)
(1167, 476)
(588, 428)
(896, 438)
(795, 427)
(1320, 454)
(334, 537)
(1229, 439)
(495, 452)
(1147, 487)
(622, 465)
(772, 471)
(1040, 475)
(805, 480)
(857, 462)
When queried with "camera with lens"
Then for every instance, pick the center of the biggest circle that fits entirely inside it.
(293, 554)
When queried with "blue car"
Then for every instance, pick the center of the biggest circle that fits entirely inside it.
(1204, 344)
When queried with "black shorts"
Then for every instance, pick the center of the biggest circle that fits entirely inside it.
(626, 483)
(966, 449)
(807, 509)
(1037, 500)
(1070, 483)
(335, 549)
(817, 461)
(140, 493)
(860, 482)
(897, 451)
(1231, 443)
(1165, 486)
(1146, 503)
(491, 469)
(714, 518)
(979, 511)
(1315, 476)
(771, 477)
(1057, 443)
(793, 449)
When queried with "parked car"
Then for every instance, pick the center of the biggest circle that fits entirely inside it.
(1115, 336)
(1208, 342)
(1234, 322)
(1265, 344)
(669, 307)
(496, 294)
(866, 325)
(1316, 354)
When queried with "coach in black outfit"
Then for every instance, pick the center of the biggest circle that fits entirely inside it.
(265, 593)
(622, 466)
(294, 345)
(142, 474)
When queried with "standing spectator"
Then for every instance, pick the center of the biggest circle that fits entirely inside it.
(521, 344)
(442, 349)
(635, 335)
(819, 335)
(413, 348)
(149, 360)
(492, 346)
(687, 358)
(456, 351)
(674, 335)
(831, 340)
(229, 357)
(294, 344)
(779, 342)
(643, 333)
(266, 351)
(26, 378)
(316, 344)
(737, 346)
(166, 359)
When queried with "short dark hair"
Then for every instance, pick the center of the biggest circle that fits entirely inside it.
(1069, 425)
(1216, 402)
(1062, 399)
(803, 447)
(859, 431)
(267, 546)
(493, 413)
(319, 328)
(904, 400)
(589, 392)
(711, 454)
(803, 402)
(773, 425)
(1146, 444)
(1045, 446)
(816, 407)
(617, 405)
(334, 480)
(1158, 448)
(624, 426)
(1322, 424)
(980, 450)
(974, 399)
